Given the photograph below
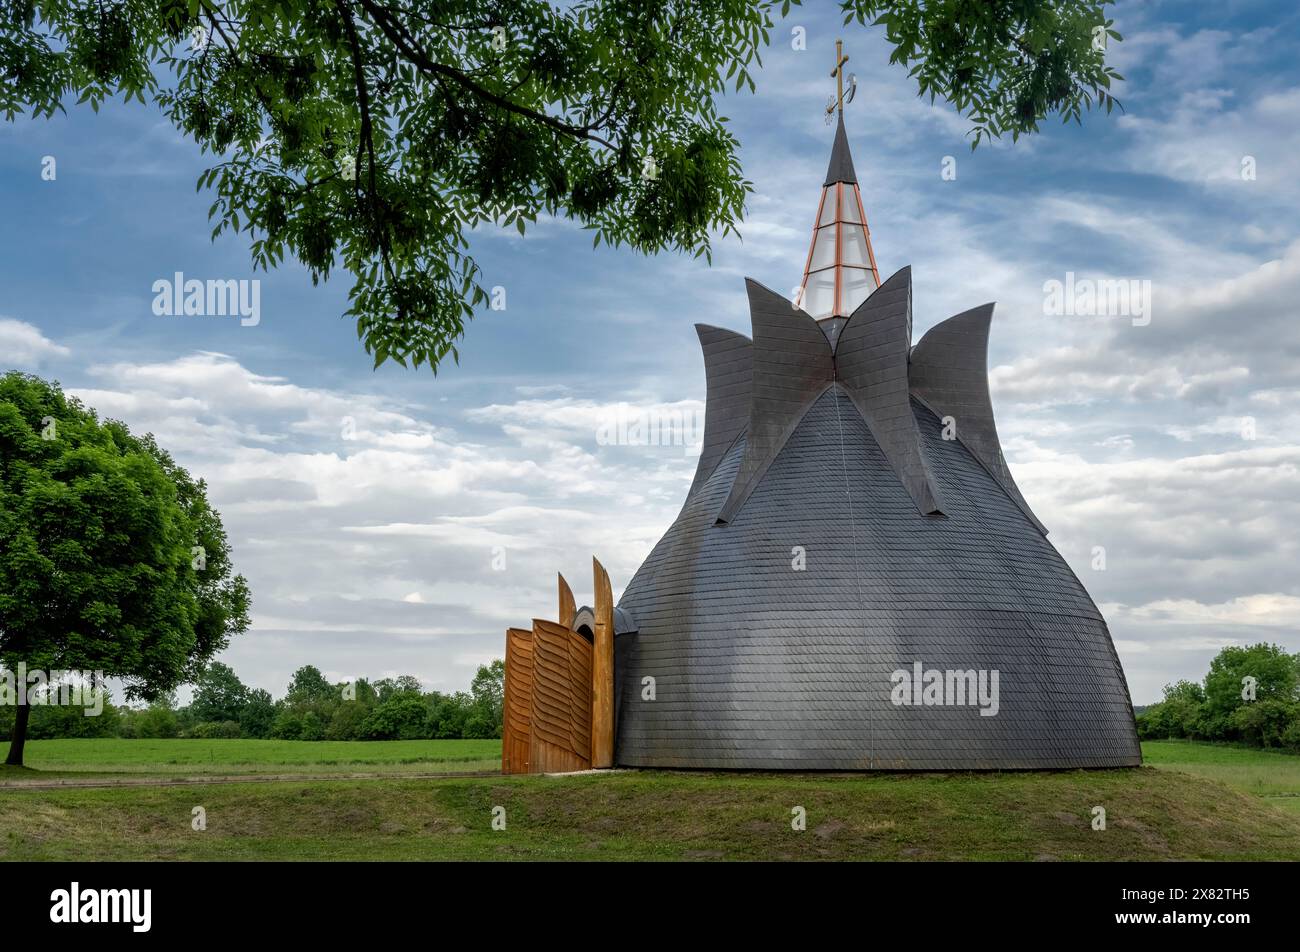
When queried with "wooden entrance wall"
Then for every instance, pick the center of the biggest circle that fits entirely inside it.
(558, 710)
(561, 722)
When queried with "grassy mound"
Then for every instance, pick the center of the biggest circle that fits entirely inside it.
(1150, 814)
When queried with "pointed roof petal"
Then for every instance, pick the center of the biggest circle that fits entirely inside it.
(793, 366)
(871, 362)
(949, 372)
(728, 371)
(841, 167)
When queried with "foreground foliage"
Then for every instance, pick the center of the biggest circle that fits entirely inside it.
(376, 135)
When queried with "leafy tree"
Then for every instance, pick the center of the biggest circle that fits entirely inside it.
(363, 692)
(1264, 723)
(219, 695)
(257, 715)
(1218, 711)
(111, 558)
(1178, 715)
(1276, 674)
(489, 687)
(313, 727)
(287, 724)
(185, 720)
(448, 714)
(402, 715)
(480, 725)
(1189, 692)
(1007, 64)
(309, 686)
(349, 720)
(407, 683)
(376, 135)
(157, 720)
(228, 730)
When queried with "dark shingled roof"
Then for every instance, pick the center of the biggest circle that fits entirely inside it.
(758, 664)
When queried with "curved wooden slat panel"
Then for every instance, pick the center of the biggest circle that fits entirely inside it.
(516, 728)
(561, 711)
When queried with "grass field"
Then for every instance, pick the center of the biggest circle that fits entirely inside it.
(1265, 773)
(72, 759)
(1182, 807)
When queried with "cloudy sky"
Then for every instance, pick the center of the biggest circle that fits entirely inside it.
(391, 522)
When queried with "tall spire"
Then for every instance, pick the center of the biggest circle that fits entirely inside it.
(840, 271)
(841, 167)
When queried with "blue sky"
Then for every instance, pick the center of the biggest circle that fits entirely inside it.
(380, 554)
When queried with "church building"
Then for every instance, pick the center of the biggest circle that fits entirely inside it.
(854, 581)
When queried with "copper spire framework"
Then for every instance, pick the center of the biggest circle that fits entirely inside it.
(840, 270)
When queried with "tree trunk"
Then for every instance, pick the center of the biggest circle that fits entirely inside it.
(19, 738)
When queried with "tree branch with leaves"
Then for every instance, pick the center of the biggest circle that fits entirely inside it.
(376, 135)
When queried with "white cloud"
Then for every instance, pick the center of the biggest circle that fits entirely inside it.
(23, 346)
(1211, 139)
(321, 521)
(1269, 610)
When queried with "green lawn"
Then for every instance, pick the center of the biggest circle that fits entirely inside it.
(1183, 807)
(1265, 773)
(70, 759)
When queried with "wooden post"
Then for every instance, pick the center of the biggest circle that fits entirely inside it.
(567, 605)
(516, 729)
(602, 672)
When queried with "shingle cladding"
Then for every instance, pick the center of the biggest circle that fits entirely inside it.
(760, 665)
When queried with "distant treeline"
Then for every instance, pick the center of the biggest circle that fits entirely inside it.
(312, 709)
(1250, 696)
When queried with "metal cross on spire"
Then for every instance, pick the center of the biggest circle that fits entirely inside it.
(840, 271)
(837, 74)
